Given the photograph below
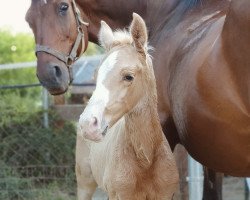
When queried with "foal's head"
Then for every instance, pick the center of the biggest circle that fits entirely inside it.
(124, 78)
(56, 25)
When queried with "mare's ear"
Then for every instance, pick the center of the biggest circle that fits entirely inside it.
(138, 30)
(106, 36)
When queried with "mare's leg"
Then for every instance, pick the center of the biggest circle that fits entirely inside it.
(180, 154)
(169, 130)
(86, 184)
(212, 189)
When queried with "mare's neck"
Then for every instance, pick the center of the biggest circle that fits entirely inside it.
(143, 131)
(160, 15)
(118, 13)
(236, 45)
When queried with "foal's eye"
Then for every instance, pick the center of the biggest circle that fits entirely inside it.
(63, 7)
(128, 78)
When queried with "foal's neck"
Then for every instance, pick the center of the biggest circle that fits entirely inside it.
(143, 130)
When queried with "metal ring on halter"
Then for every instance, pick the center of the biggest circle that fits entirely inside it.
(79, 29)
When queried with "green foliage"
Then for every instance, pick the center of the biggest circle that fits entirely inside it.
(93, 49)
(24, 140)
(16, 109)
(18, 77)
(13, 186)
(16, 47)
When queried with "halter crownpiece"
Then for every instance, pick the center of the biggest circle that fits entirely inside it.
(78, 14)
(72, 56)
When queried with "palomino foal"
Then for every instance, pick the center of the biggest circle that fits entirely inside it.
(132, 160)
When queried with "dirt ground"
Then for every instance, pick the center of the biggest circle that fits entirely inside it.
(99, 195)
(234, 189)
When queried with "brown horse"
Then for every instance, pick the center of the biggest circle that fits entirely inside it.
(201, 63)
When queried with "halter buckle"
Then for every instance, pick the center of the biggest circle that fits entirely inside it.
(70, 60)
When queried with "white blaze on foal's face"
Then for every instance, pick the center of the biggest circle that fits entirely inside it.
(94, 112)
(101, 92)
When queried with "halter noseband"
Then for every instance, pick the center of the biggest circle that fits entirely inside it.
(72, 56)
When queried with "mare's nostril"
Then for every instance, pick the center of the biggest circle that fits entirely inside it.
(58, 71)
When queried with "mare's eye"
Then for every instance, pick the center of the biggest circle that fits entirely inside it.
(63, 7)
(128, 78)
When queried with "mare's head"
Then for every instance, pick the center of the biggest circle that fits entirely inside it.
(122, 79)
(60, 36)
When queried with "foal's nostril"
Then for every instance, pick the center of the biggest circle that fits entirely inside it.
(58, 71)
(94, 121)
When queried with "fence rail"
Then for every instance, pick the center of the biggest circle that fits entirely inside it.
(18, 65)
(5, 87)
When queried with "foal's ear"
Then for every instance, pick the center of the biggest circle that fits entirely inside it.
(138, 30)
(106, 36)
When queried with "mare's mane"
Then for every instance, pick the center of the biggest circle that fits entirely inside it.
(188, 3)
(181, 8)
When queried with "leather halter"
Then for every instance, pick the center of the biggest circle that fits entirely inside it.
(72, 56)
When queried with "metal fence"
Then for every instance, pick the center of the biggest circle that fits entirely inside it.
(36, 146)
(36, 182)
(36, 152)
